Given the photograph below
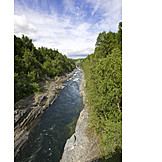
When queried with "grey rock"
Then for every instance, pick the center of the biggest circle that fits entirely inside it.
(82, 145)
(27, 111)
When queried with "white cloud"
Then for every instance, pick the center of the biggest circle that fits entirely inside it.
(109, 10)
(81, 51)
(96, 7)
(105, 7)
(83, 27)
(22, 26)
(58, 32)
(69, 34)
(70, 7)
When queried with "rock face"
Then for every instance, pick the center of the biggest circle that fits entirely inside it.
(82, 146)
(27, 111)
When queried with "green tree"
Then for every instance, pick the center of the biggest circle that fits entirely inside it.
(103, 74)
(31, 65)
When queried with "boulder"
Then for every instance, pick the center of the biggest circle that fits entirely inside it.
(82, 146)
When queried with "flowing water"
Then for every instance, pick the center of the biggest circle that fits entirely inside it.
(55, 126)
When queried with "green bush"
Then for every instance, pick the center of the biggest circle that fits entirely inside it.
(32, 64)
(103, 74)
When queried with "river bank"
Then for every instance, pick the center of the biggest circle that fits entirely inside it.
(27, 111)
(82, 145)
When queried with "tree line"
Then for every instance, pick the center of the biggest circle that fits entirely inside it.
(103, 74)
(31, 65)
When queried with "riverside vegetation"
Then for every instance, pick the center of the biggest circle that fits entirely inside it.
(103, 75)
(31, 65)
(37, 81)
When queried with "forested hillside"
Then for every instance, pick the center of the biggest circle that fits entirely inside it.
(77, 61)
(103, 74)
(31, 65)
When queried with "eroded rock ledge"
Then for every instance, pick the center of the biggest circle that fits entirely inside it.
(82, 146)
(27, 111)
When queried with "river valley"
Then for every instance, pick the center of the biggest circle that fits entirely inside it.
(46, 141)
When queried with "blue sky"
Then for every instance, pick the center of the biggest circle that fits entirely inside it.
(71, 26)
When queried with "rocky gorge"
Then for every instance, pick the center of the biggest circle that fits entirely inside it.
(27, 111)
(82, 146)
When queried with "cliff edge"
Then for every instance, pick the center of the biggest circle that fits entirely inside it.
(27, 111)
(82, 145)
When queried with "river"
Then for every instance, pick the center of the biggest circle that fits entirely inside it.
(46, 141)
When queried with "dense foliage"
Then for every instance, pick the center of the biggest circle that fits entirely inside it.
(103, 74)
(78, 61)
(31, 65)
